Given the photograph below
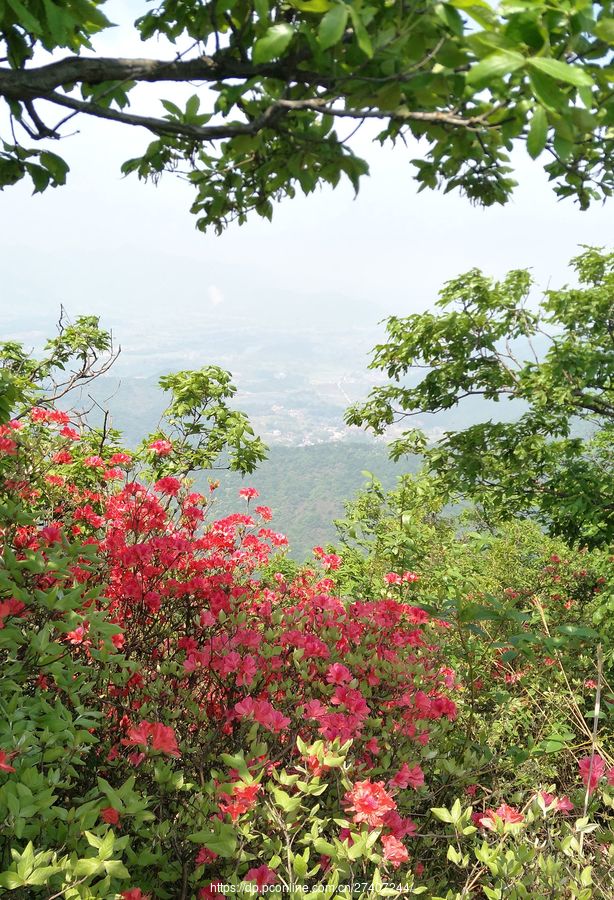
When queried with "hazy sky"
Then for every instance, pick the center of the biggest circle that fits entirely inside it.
(118, 247)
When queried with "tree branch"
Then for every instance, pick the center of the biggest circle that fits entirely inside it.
(26, 85)
(267, 119)
(23, 84)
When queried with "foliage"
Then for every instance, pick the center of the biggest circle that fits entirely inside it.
(202, 430)
(553, 461)
(129, 630)
(183, 708)
(524, 613)
(464, 79)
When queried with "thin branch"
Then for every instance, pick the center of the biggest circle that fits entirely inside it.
(268, 118)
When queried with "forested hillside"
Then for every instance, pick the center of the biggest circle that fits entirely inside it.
(306, 487)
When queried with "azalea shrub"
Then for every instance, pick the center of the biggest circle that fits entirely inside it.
(525, 614)
(170, 715)
(185, 714)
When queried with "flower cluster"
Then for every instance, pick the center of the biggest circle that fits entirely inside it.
(197, 653)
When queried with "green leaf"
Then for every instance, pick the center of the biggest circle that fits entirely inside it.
(26, 19)
(538, 133)
(262, 9)
(442, 814)
(362, 35)
(479, 10)
(562, 147)
(86, 867)
(288, 804)
(58, 22)
(456, 811)
(310, 6)
(332, 26)
(273, 44)
(222, 841)
(548, 92)
(116, 869)
(11, 880)
(604, 29)
(42, 876)
(322, 846)
(192, 106)
(577, 631)
(561, 71)
(26, 863)
(453, 855)
(451, 17)
(172, 108)
(495, 66)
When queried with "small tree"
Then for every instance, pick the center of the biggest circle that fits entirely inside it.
(287, 82)
(202, 429)
(555, 461)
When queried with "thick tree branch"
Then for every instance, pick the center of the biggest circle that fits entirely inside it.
(23, 84)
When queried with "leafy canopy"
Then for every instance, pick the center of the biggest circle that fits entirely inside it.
(555, 460)
(275, 80)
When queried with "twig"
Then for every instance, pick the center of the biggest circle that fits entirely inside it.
(593, 737)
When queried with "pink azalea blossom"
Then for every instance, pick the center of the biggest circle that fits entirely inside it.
(591, 769)
(394, 851)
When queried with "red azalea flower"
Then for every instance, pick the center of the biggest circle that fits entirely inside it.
(205, 856)
(369, 801)
(4, 765)
(61, 458)
(94, 462)
(490, 818)
(10, 607)
(120, 459)
(163, 739)
(168, 485)
(394, 851)
(51, 534)
(138, 734)
(392, 578)
(211, 891)
(262, 876)
(70, 433)
(8, 447)
(109, 815)
(509, 814)
(407, 777)
(338, 674)
(161, 447)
